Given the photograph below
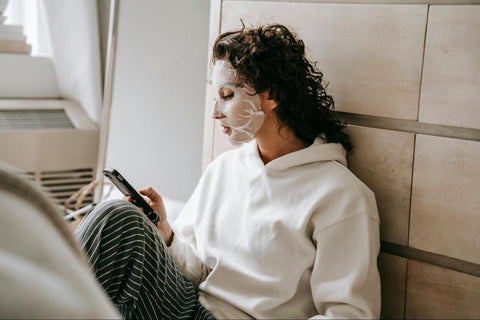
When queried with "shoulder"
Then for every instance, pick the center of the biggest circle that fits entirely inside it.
(227, 158)
(227, 166)
(342, 194)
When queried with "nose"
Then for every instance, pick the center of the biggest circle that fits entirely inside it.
(216, 114)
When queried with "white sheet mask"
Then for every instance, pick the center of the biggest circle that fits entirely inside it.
(242, 111)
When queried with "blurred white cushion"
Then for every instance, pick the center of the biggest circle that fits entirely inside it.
(43, 274)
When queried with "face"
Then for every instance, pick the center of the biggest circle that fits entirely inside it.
(237, 108)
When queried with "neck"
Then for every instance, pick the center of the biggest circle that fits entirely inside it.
(272, 145)
(274, 142)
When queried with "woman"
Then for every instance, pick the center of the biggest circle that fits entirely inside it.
(278, 228)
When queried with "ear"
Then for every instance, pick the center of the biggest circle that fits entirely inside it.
(267, 103)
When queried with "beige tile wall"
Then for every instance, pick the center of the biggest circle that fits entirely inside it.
(393, 271)
(383, 160)
(438, 293)
(363, 50)
(445, 214)
(450, 86)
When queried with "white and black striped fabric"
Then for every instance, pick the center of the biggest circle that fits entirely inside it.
(132, 263)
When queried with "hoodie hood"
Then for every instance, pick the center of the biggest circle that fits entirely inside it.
(318, 151)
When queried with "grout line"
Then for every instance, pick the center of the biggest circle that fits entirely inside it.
(411, 188)
(435, 259)
(423, 62)
(412, 126)
(405, 297)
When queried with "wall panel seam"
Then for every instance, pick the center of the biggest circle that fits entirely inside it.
(409, 126)
(405, 296)
(411, 189)
(431, 258)
(423, 63)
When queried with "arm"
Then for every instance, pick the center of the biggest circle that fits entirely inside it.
(345, 281)
(181, 243)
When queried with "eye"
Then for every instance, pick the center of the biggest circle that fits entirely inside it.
(228, 96)
(226, 93)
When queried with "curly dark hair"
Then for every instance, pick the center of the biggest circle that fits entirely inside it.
(273, 58)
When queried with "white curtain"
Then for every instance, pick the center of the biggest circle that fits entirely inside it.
(73, 31)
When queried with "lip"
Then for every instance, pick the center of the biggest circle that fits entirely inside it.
(226, 130)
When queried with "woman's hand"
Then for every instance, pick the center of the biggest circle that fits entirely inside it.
(155, 201)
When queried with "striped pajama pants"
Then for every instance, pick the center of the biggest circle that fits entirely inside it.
(133, 265)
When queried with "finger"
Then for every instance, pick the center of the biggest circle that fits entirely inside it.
(147, 200)
(127, 198)
(151, 193)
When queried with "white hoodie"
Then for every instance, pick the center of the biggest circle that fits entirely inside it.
(296, 238)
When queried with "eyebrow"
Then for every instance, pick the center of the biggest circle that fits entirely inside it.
(226, 84)
(223, 84)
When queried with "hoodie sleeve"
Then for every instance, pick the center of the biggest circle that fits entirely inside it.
(184, 242)
(345, 281)
(185, 257)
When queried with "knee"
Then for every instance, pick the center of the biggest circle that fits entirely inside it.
(115, 204)
(112, 212)
(112, 204)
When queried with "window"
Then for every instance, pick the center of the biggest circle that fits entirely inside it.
(30, 15)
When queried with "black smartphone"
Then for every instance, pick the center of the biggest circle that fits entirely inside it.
(126, 188)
